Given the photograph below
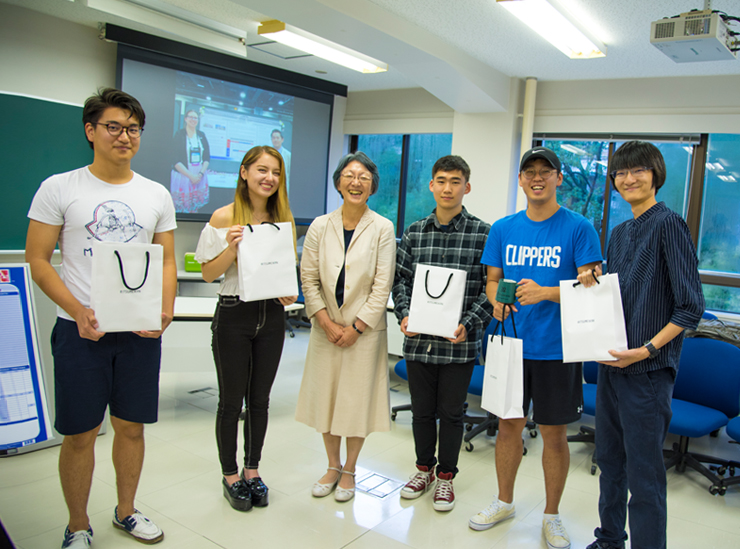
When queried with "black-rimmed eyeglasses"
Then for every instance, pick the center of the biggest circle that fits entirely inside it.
(115, 130)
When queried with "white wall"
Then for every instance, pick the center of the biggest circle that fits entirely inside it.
(702, 104)
(50, 58)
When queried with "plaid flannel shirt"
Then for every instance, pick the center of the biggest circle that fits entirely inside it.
(459, 248)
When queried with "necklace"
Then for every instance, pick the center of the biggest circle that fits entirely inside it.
(260, 219)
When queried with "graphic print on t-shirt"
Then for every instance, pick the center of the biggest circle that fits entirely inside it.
(113, 221)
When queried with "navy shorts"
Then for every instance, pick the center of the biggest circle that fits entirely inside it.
(555, 390)
(120, 370)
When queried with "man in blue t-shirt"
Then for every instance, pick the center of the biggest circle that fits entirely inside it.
(537, 248)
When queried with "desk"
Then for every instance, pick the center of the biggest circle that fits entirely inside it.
(189, 309)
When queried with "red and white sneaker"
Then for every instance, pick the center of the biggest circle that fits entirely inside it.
(419, 483)
(444, 493)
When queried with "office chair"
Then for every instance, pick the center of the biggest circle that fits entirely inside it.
(291, 322)
(733, 430)
(586, 433)
(706, 395)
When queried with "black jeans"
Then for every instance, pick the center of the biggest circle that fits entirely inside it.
(247, 344)
(438, 391)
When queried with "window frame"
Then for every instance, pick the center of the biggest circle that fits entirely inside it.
(697, 178)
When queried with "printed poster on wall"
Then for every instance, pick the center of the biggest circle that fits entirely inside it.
(24, 415)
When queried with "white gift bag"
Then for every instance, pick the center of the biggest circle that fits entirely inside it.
(266, 262)
(126, 286)
(503, 378)
(592, 319)
(436, 300)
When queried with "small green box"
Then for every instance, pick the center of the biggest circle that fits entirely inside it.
(191, 265)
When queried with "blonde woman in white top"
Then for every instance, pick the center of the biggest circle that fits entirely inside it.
(247, 336)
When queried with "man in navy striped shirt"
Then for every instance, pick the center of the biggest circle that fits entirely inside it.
(661, 295)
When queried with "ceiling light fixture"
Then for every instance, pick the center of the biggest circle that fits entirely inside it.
(310, 43)
(555, 24)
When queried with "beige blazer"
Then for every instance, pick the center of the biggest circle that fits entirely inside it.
(369, 270)
(345, 390)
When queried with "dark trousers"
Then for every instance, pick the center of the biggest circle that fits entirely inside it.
(632, 417)
(438, 391)
(247, 344)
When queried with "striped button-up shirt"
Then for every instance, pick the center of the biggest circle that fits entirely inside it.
(458, 247)
(659, 281)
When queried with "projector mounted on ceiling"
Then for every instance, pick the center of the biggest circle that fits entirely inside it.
(694, 36)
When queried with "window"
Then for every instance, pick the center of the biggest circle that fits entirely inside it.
(719, 237)
(386, 152)
(705, 192)
(405, 165)
(584, 166)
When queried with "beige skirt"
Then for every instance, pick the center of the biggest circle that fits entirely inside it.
(345, 391)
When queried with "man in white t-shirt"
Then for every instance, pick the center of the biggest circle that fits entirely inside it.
(104, 201)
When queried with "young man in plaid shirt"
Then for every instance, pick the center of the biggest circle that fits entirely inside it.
(439, 369)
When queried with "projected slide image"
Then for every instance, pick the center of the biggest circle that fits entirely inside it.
(216, 123)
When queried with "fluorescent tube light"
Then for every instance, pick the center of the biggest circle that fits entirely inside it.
(310, 43)
(556, 25)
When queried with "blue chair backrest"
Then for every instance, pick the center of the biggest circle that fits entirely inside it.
(709, 316)
(709, 374)
(590, 372)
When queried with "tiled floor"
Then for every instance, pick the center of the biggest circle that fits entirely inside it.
(180, 486)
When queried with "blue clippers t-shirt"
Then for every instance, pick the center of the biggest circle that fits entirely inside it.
(547, 252)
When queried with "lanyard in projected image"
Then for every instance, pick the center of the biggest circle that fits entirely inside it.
(195, 151)
(24, 417)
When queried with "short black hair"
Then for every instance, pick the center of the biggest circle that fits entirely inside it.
(276, 131)
(451, 163)
(363, 159)
(107, 98)
(634, 154)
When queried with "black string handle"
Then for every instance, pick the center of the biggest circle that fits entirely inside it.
(263, 223)
(500, 323)
(426, 286)
(592, 274)
(123, 276)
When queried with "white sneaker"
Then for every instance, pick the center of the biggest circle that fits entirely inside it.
(140, 527)
(555, 534)
(491, 515)
(77, 540)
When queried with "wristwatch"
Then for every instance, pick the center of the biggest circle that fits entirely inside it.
(651, 349)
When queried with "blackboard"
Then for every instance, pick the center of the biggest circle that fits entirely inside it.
(39, 138)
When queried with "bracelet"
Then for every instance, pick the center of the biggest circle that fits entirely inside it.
(356, 329)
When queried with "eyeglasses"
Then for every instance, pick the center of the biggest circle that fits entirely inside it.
(134, 132)
(530, 173)
(349, 177)
(619, 175)
(191, 118)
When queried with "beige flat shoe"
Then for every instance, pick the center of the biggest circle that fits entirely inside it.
(344, 494)
(322, 490)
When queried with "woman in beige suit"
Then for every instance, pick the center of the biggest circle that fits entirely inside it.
(347, 271)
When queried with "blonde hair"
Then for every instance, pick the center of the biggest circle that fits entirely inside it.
(277, 205)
